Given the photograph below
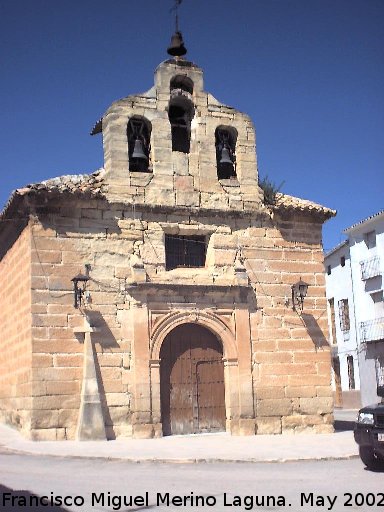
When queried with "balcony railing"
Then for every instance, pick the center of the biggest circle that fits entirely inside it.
(372, 330)
(370, 268)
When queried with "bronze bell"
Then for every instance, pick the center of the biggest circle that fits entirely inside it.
(138, 151)
(225, 157)
(177, 48)
(225, 167)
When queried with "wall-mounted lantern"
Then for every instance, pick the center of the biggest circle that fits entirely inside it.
(79, 286)
(299, 292)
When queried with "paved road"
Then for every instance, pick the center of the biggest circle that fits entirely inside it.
(293, 485)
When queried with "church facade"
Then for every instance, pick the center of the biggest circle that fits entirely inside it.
(161, 294)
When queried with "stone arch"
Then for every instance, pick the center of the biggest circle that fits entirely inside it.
(139, 143)
(234, 387)
(225, 143)
(181, 111)
(208, 320)
(182, 82)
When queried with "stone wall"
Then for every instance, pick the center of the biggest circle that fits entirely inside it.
(291, 355)
(282, 357)
(67, 239)
(15, 336)
(175, 178)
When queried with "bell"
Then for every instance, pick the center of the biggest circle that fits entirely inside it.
(177, 48)
(225, 157)
(138, 151)
(225, 167)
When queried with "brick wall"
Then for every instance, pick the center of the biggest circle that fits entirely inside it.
(15, 334)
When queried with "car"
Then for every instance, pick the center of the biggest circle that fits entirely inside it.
(369, 433)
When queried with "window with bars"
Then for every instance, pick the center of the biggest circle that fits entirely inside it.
(184, 251)
(344, 315)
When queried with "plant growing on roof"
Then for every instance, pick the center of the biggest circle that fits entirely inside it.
(270, 190)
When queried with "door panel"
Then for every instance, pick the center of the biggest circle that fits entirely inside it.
(210, 396)
(192, 381)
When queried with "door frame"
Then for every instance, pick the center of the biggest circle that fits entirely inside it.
(239, 401)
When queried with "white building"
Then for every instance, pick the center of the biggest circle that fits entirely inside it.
(354, 282)
(342, 327)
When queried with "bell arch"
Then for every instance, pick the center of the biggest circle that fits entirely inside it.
(139, 145)
(180, 113)
(225, 142)
(182, 82)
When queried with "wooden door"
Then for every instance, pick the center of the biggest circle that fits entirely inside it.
(192, 381)
(210, 395)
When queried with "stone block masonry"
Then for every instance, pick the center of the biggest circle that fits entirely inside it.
(289, 357)
(15, 332)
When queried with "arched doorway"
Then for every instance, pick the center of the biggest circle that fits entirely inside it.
(192, 381)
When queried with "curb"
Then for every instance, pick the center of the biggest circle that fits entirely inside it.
(192, 450)
(208, 460)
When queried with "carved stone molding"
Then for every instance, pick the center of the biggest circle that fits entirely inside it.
(209, 320)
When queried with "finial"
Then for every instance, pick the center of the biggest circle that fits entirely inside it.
(176, 9)
(177, 48)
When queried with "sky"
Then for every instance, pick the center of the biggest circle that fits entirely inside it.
(310, 73)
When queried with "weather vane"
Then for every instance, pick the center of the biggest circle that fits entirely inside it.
(175, 8)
